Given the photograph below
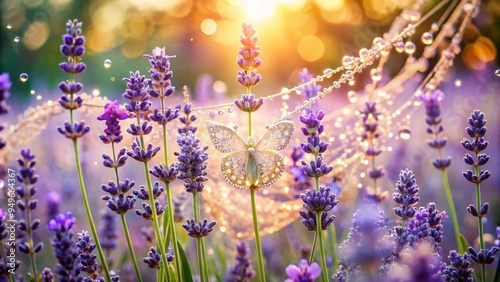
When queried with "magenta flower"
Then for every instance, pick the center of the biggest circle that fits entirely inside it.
(303, 272)
(113, 111)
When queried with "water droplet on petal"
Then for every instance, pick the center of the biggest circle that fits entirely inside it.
(427, 38)
(404, 133)
(107, 63)
(352, 96)
(497, 72)
(16, 39)
(23, 77)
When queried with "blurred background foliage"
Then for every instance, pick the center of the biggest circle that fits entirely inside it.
(204, 36)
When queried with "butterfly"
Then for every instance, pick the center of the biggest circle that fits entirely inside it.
(249, 164)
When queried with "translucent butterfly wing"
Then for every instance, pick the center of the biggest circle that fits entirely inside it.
(276, 137)
(225, 139)
(271, 167)
(234, 168)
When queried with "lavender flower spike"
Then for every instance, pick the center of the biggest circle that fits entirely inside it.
(160, 73)
(64, 247)
(5, 85)
(192, 164)
(303, 272)
(406, 195)
(247, 59)
(242, 270)
(112, 115)
(199, 230)
(248, 103)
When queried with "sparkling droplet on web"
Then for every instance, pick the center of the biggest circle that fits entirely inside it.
(375, 74)
(399, 46)
(352, 96)
(364, 52)
(235, 127)
(221, 112)
(347, 61)
(497, 72)
(9, 26)
(23, 77)
(458, 83)
(328, 73)
(427, 38)
(230, 110)
(16, 39)
(107, 63)
(410, 47)
(434, 27)
(404, 133)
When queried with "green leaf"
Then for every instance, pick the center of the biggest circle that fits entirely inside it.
(187, 276)
(464, 243)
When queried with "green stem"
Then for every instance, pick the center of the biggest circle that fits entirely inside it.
(88, 212)
(249, 123)
(205, 261)
(321, 246)
(199, 247)
(480, 223)
(125, 226)
(2, 249)
(313, 248)
(131, 248)
(171, 224)
(262, 275)
(453, 212)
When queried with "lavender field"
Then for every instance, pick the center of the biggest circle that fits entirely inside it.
(221, 140)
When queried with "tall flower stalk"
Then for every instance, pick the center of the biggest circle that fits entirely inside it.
(27, 177)
(476, 145)
(319, 202)
(192, 169)
(248, 77)
(73, 49)
(161, 74)
(433, 120)
(117, 200)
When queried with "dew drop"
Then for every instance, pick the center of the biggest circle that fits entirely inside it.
(427, 38)
(229, 110)
(107, 63)
(375, 74)
(235, 127)
(352, 82)
(404, 133)
(434, 27)
(410, 47)
(352, 96)
(32, 92)
(458, 83)
(497, 72)
(39, 97)
(378, 42)
(23, 77)
(328, 73)
(16, 39)
(399, 46)
(347, 61)
(9, 26)
(220, 112)
(364, 52)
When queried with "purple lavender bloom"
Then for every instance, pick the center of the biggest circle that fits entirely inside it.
(74, 131)
(309, 220)
(406, 195)
(140, 130)
(163, 119)
(433, 112)
(3, 228)
(160, 73)
(47, 275)
(242, 270)
(121, 159)
(303, 272)
(5, 86)
(53, 199)
(73, 48)
(137, 94)
(107, 230)
(67, 268)
(112, 115)
(187, 119)
(85, 247)
(199, 230)
(477, 130)
(142, 155)
(312, 122)
(483, 257)
(147, 212)
(319, 201)
(153, 259)
(166, 175)
(314, 146)
(247, 59)
(248, 103)
(66, 102)
(459, 269)
(316, 168)
(143, 193)
(27, 177)
(309, 91)
(192, 165)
